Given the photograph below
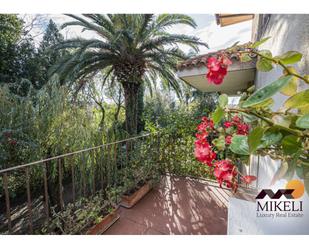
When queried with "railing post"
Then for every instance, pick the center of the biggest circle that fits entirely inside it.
(7, 201)
(93, 171)
(102, 167)
(73, 178)
(46, 205)
(60, 184)
(29, 204)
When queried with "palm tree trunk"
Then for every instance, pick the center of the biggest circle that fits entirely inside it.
(140, 109)
(131, 104)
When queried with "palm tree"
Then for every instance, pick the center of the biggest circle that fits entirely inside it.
(134, 49)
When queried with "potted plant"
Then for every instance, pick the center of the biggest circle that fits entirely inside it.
(139, 176)
(135, 192)
(112, 215)
(90, 216)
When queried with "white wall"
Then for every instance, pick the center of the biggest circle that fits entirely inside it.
(288, 32)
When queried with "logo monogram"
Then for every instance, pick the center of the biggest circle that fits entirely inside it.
(286, 192)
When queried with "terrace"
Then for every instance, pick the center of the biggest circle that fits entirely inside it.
(175, 204)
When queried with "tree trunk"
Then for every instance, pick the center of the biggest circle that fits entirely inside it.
(140, 109)
(131, 104)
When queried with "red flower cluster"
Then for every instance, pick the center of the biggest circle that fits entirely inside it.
(228, 139)
(225, 173)
(224, 170)
(203, 151)
(217, 69)
(241, 127)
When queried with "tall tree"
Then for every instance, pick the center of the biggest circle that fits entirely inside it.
(10, 33)
(47, 56)
(136, 49)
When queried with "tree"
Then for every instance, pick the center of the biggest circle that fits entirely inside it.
(47, 56)
(135, 49)
(10, 33)
(18, 65)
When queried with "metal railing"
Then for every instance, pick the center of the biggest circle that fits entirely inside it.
(57, 181)
(70, 176)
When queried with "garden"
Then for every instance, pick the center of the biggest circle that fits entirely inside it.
(89, 125)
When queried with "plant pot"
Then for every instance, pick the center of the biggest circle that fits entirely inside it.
(129, 201)
(106, 223)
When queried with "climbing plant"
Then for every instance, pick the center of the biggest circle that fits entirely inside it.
(281, 134)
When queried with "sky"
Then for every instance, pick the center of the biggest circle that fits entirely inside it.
(207, 30)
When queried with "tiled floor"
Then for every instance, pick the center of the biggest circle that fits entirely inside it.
(178, 206)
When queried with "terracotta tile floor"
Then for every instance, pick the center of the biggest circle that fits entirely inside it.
(177, 205)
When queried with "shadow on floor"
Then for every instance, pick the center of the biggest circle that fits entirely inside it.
(178, 205)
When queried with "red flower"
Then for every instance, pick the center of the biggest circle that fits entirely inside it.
(248, 179)
(213, 64)
(217, 69)
(204, 153)
(206, 123)
(242, 129)
(227, 124)
(228, 139)
(201, 136)
(216, 77)
(225, 173)
(236, 119)
(202, 127)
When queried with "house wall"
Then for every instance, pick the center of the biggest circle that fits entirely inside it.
(287, 32)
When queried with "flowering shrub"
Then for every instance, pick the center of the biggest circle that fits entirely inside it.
(282, 134)
(212, 148)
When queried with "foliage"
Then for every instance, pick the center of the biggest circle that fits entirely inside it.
(176, 124)
(46, 55)
(134, 49)
(222, 148)
(30, 127)
(281, 134)
(77, 218)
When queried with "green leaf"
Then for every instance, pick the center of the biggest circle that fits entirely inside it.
(282, 120)
(264, 65)
(291, 88)
(254, 138)
(223, 100)
(306, 179)
(258, 43)
(290, 57)
(292, 166)
(298, 101)
(303, 122)
(267, 103)
(239, 145)
(270, 137)
(219, 142)
(290, 144)
(244, 57)
(217, 115)
(267, 91)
